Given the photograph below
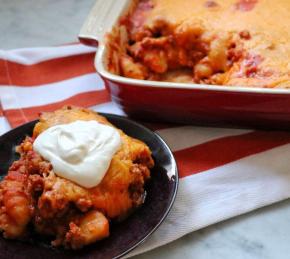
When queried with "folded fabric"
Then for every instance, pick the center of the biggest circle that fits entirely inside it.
(223, 172)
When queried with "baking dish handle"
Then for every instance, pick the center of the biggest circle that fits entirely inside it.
(101, 19)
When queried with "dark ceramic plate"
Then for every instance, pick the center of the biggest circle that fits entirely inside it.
(125, 236)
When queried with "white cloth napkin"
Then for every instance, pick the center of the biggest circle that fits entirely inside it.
(223, 172)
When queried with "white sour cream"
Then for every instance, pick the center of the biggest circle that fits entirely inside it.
(80, 151)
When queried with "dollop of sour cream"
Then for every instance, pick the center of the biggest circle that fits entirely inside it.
(80, 151)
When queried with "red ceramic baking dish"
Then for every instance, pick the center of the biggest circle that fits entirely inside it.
(181, 102)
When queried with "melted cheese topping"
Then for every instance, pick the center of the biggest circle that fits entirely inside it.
(266, 20)
(80, 151)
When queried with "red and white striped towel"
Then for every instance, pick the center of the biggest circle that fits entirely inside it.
(224, 172)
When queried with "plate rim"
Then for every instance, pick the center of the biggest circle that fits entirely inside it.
(172, 159)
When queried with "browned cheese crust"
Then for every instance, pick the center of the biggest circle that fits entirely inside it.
(228, 42)
(32, 194)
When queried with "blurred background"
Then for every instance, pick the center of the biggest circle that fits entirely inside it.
(38, 23)
(31, 23)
